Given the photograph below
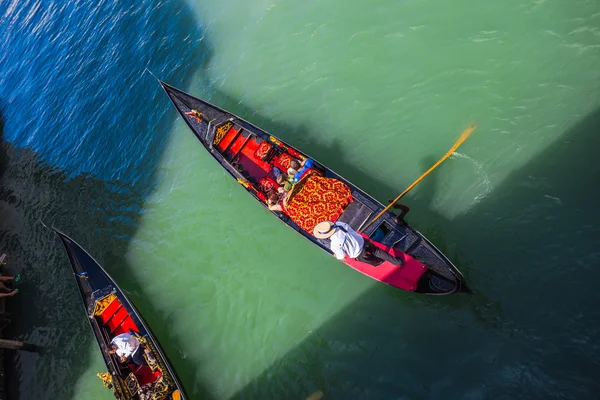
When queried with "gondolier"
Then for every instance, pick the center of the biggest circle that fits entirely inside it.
(345, 241)
(127, 347)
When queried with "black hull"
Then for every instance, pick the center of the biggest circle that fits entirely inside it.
(434, 284)
(94, 282)
(397, 234)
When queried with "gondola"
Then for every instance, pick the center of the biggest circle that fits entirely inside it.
(110, 313)
(253, 157)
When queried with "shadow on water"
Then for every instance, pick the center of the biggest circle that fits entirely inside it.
(100, 209)
(529, 249)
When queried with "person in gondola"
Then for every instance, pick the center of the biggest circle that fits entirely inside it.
(275, 202)
(128, 348)
(285, 181)
(301, 168)
(345, 241)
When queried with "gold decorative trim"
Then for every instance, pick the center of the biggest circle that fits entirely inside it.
(165, 385)
(276, 141)
(107, 380)
(116, 385)
(132, 384)
(163, 388)
(243, 182)
(103, 303)
(221, 131)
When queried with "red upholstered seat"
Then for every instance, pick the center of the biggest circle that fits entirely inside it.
(282, 161)
(262, 150)
(230, 135)
(266, 184)
(144, 374)
(294, 153)
(108, 313)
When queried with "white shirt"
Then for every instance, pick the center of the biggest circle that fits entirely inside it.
(126, 344)
(342, 243)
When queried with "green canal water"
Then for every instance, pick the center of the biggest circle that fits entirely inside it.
(377, 90)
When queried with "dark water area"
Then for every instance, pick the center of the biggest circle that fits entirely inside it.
(47, 311)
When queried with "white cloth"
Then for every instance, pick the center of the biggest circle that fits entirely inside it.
(126, 344)
(349, 242)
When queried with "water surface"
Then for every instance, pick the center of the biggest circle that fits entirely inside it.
(376, 90)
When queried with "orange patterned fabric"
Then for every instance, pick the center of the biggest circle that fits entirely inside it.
(316, 199)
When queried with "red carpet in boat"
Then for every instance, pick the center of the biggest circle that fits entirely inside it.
(254, 166)
(405, 277)
(316, 199)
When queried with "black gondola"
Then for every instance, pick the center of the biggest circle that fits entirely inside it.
(253, 157)
(110, 314)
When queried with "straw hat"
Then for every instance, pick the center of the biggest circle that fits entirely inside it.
(324, 230)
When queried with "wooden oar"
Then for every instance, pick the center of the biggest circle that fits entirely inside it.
(466, 133)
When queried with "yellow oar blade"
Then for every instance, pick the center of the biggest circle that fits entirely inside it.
(463, 136)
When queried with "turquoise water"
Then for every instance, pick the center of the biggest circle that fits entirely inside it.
(376, 90)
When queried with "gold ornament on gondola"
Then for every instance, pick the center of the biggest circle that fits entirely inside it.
(103, 303)
(243, 182)
(221, 131)
(276, 141)
(107, 380)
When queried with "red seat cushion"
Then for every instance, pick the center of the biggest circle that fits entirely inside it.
(266, 184)
(262, 150)
(282, 161)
